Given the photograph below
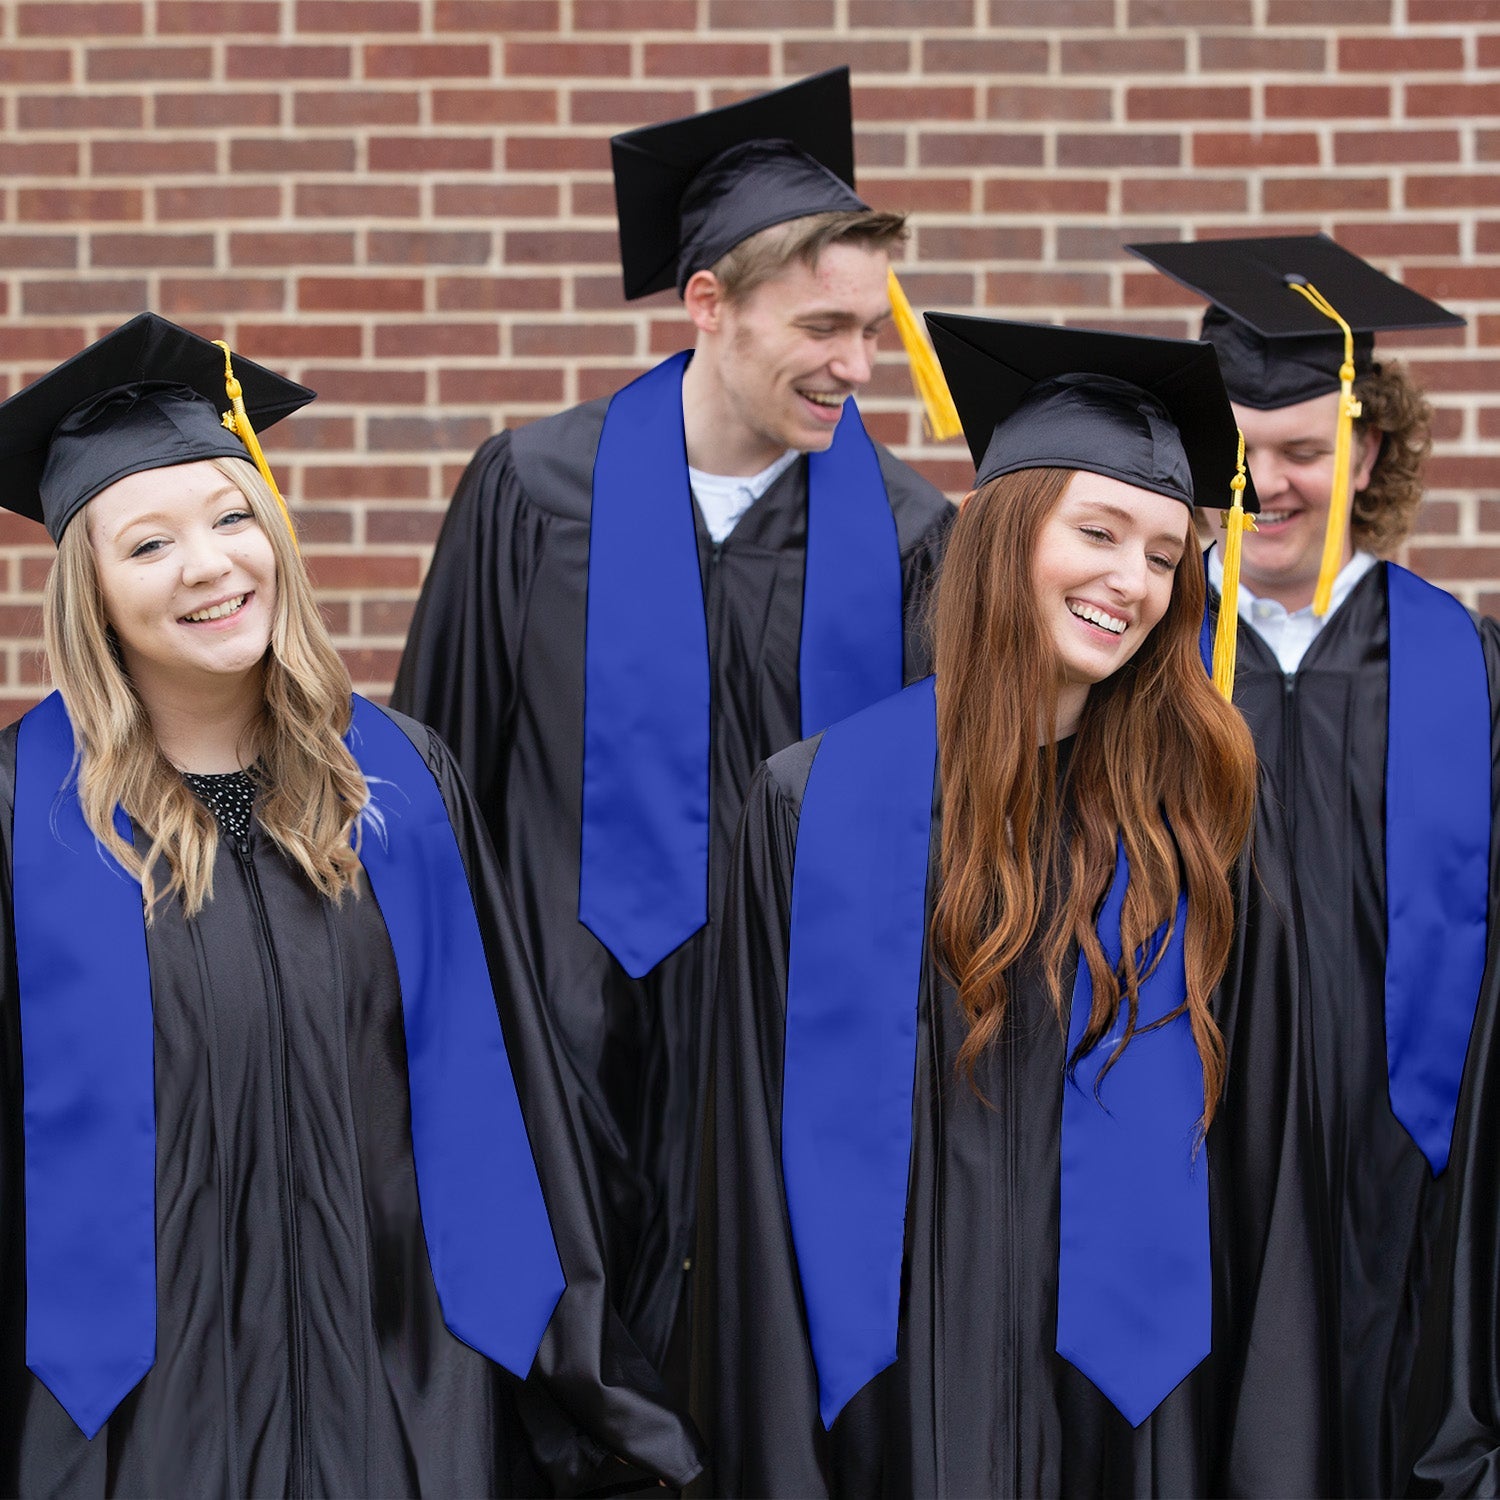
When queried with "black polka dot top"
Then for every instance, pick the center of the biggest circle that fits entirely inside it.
(228, 795)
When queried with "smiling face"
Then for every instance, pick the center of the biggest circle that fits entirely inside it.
(187, 576)
(1103, 569)
(1289, 453)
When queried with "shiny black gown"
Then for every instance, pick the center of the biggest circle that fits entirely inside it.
(978, 1402)
(495, 664)
(1321, 733)
(300, 1346)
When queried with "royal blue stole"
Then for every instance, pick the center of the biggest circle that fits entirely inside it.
(87, 1055)
(643, 878)
(1134, 1293)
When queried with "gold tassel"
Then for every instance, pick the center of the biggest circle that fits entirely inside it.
(1338, 496)
(926, 372)
(237, 420)
(1226, 638)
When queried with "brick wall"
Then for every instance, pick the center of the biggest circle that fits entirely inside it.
(406, 204)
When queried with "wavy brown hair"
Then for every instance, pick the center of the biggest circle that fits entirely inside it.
(310, 791)
(1160, 761)
(1384, 513)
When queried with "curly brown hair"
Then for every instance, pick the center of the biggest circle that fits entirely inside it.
(1385, 511)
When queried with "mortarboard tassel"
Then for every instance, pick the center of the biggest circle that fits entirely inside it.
(1226, 639)
(926, 372)
(237, 420)
(1338, 500)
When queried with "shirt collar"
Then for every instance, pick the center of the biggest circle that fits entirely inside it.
(1349, 575)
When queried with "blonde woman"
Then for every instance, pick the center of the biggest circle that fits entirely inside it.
(286, 1180)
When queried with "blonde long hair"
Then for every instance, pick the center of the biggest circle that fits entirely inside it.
(310, 791)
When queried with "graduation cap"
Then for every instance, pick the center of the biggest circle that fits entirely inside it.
(1276, 346)
(147, 396)
(1151, 412)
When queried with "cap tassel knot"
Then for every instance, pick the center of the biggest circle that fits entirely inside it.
(237, 420)
(1338, 498)
(1236, 523)
(926, 373)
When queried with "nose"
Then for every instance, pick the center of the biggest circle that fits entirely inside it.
(1130, 574)
(204, 559)
(1268, 474)
(853, 360)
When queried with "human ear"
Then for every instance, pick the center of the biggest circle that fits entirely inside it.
(703, 297)
(1367, 451)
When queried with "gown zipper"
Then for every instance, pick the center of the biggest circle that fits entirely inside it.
(301, 1482)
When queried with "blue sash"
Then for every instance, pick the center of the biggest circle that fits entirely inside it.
(1134, 1196)
(87, 1053)
(643, 878)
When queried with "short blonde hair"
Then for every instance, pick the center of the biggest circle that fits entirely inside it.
(756, 260)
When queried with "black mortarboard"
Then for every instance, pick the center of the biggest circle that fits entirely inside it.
(147, 396)
(1275, 347)
(687, 192)
(1151, 412)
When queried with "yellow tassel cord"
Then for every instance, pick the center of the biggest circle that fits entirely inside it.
(1338, 498)
(926, 372)
(237, 420)
(1236, 523)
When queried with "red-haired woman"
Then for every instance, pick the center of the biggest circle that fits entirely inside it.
(1010, 1183)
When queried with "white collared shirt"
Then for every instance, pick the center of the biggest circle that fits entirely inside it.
(724, 498)
(1290, 632)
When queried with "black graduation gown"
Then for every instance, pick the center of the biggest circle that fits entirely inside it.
(495, 664)
(978, 1402)
(301, 1349)
(1321, 733)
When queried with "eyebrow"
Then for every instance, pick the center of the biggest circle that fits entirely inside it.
(1120, 513)
(841, 316)
(159, 518)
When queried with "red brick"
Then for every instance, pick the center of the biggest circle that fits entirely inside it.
(50, 344)
(988, 55)
(38, 252)
(1487, 145)
(1317, 101)
(361, 482)
(367, 386)
(1253, 149)
(148, 251)
(1046, 195)
(1401, 54)
(1025, 102)
(282, 154)
(1193, 13)
(1437, 517)
(926, 104)
(969, 242)
(1149, 289)
(877, 14)
(1390, 147)
(1431, 12)
(1124, 56)
(213, 296)
(603, 294)
(498, 17)
(553, 247)
(1412, 237)
(304, 433)
(1312, 194)
(505, 106)
(1458, 471)
(875, 148)
(1234, 53)
(357, 200)
(374, 15)
(416, 340)
(1329, 13)
(38, 159)
(80, 111)
(152, 158)
(741, 60)
(387, 527)
(1095, 14)
(1452, 100)
(626, 107)
(74, 298)
(85, 18)
(77, 205)
(431, 153)
(496, 200)
(287, 61)
(325, 527)
(910, 194)
(20, 620)
(1119, 149)
(489, 386)
(33, 65)
(1042, 289)
(1187, 104)
(217, 17)
(862, 57)
(498, 293)
(1076, 242)
(117, 64)
(1489, 53)
(424, 435)
(766, 15)
(567, 59)
(386, 617)
(1458, 191)
(359, 294)
(557, 153)
(220, 108)
(283, 247)
(357, 107)
(427, 60)
(355, 570)
(212, 201)
(926, 289)
(991, 148)
(1455, 564)
(264, 341)
(1444, 282)
(561, 340)
(596, 200)
(433, 247)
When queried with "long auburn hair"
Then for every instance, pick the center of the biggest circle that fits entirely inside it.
(310, 789)
(1160, 761)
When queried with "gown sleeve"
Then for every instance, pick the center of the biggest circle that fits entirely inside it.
(754, 1384)
(595, 1410)
(1453, 1427)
